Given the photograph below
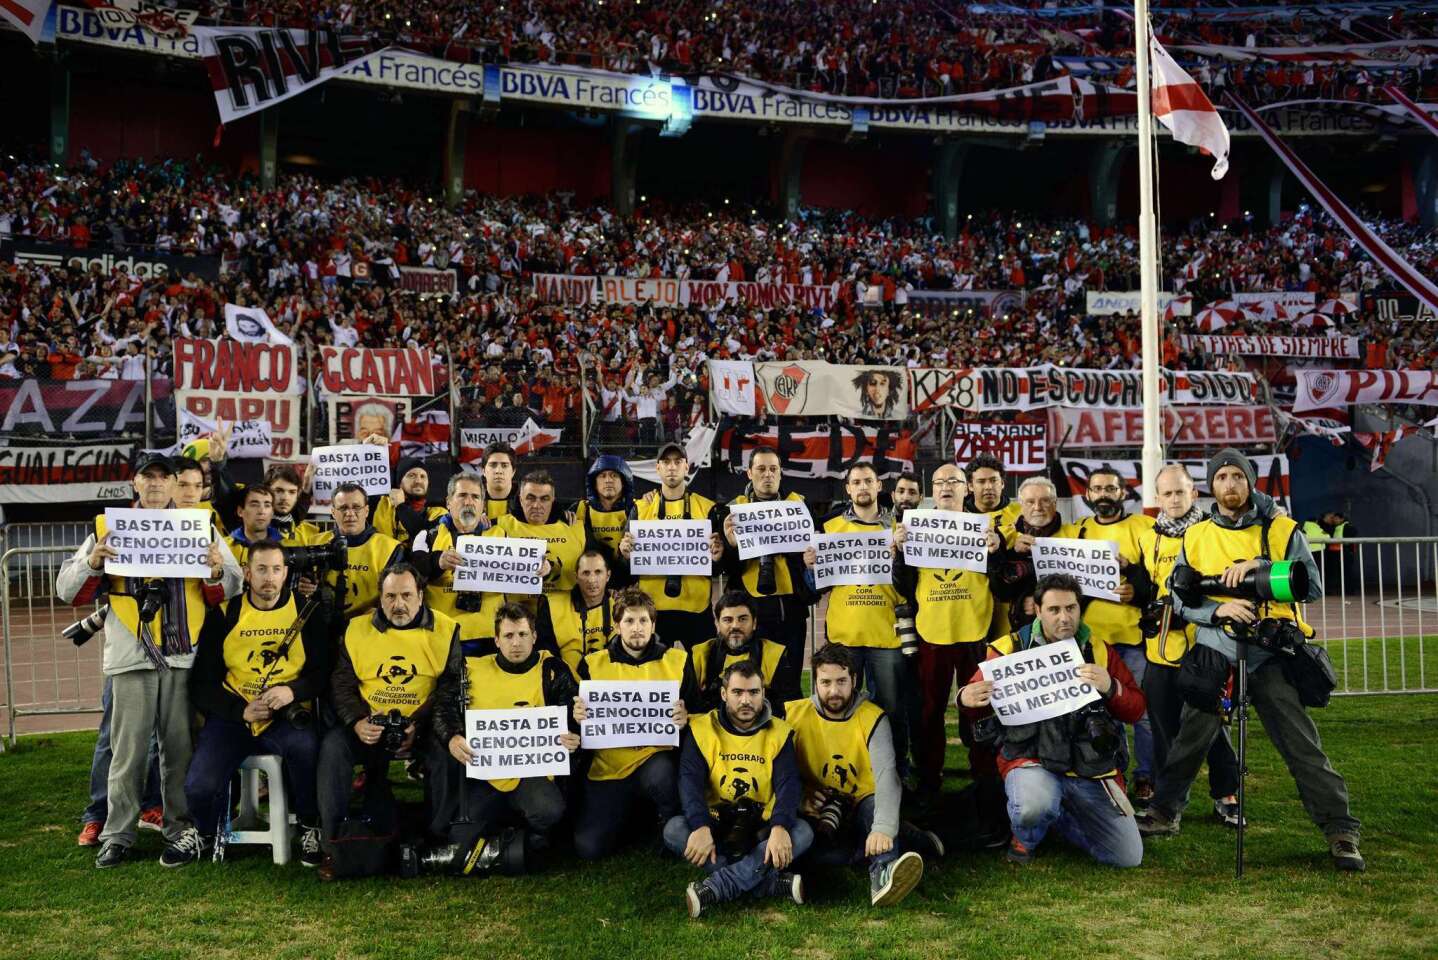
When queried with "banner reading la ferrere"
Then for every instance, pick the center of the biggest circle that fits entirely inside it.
(668, 292)
(1197, 426)
(230, 380)
(1321, 389)
(386, 372)
(816, 388)
(1323, 348)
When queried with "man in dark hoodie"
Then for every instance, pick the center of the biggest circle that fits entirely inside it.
(740, 789)
(604, 512)
(1246, 533)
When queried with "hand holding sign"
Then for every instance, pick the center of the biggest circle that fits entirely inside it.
(500, 564)
(158, 543)
(771, 527)
(1093, 563)
(1040, 683)
(639, 713)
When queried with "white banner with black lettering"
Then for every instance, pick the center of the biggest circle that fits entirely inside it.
(628, 713)
(366, 464)
(1093, 563)
(946, 540)
(1321, 348)
(500, 564)
(1037, 684)
(157, 543)
(770, 527)
(853, 559)
(516, 743)
(666, 548)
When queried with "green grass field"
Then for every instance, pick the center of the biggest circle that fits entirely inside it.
(1183, 902)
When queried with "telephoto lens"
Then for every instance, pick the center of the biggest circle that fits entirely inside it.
(83, 629)
(905, 630)
(830, 815)
(764, 584)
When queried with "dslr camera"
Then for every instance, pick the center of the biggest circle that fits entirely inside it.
(829, 818)
(83, 629)
(1150, 621)
(739, 826)
(392, 727)
(321, 558)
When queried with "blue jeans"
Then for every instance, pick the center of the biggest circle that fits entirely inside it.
(100, 769)
(887, 676)
(1137, 662)
(847, 846)
(612, 807)
(1078, 808)
(733, 878)
(224, 744)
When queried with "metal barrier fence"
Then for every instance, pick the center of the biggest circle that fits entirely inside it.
(45, 674)
(1380, 599)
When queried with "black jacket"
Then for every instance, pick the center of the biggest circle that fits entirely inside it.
(560, 689)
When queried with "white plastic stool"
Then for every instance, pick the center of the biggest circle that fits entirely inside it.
(248, 828)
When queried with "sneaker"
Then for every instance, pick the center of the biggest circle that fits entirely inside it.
(112, 854)
(1155, 823)
(1018, 853)
(1226, 809)
(698, 897)
(1343, 847)
(310, 853)
(1142, 793)
(184, 850)
(89, 834)
(928, 845)
(895, 880)
(789, 885)
(152, 818)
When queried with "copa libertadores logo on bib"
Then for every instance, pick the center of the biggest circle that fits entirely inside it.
(396, 671)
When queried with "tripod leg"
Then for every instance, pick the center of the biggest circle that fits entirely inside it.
(1241, 702)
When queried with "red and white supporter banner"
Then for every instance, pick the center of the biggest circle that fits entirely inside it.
(428, 282)
(386, 372)
(668, 292)
(1182, 426)
(731, 386)
(1032, 388)
(816, 388)
(1416, 112)
(233, 381)
(1272, 470)
(1323, 348)
(1384, 255)
(525, 440)
(252, 68)
(1294, 301)
(937, 387)
(826, 452)
(1023, 447)
(1325, 389)
(37, 472)
(28, 16)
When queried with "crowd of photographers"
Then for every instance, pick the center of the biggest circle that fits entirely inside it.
(351, 647)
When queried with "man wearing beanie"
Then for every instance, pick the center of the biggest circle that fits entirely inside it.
(404, 513)
(1246, 533)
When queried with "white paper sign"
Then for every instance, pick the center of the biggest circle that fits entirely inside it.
(249, 439)
(1037, 684)
(947, 540)
(1093, 563)
(628, 713)
(500, 564)
(516, 743)
(775, 526)
(158, 543)
(364, 463)
(664, 548)
(854, 559)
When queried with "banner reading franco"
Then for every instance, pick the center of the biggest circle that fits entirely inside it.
(817, 388)
(234, 381)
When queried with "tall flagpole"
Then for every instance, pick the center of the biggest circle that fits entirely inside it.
(1148, 264)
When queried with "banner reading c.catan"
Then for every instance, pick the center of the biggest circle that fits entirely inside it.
(385, 372)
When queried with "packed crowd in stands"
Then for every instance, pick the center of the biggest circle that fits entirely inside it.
(900, 49)
(297, 250)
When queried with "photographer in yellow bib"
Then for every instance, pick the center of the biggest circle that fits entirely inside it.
(256, 677)
(517, 675)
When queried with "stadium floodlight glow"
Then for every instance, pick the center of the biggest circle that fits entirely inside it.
(681, 108)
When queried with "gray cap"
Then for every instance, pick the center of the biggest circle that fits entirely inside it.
(1229, 457)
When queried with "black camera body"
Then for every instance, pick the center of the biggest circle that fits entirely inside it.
(739, 826)
(1277, 636)
(151, 598)
(1097, 727)
(468, 601)
(392, 728)
(829, 818)
(1150, 620)
(321, 558)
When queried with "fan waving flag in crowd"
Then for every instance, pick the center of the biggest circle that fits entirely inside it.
(1182, 106)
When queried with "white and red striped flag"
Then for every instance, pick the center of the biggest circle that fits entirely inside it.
(1181, 105)
(28, 16)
